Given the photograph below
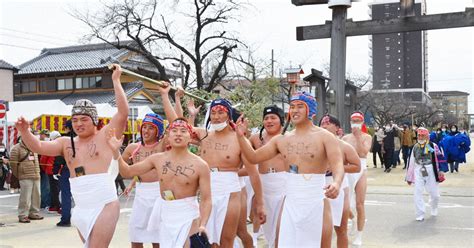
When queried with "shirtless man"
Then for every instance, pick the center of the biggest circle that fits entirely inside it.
(340, 206)
(148, 187)
(308, 150)
(181, 175)
(219, 148)
(361, 142)
(92, 167)
(273, 173)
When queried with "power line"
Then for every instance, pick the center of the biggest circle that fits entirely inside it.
(24, 38)
(24, 47)
(30, 33)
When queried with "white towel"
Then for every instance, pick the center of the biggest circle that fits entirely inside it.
(145, 196)
(222, 185)
(91, 193)
(302, 215)
(337, 204)
(177, 217)
(274, 189)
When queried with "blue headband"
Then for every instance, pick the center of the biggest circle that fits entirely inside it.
(155, 120)
(309, 100)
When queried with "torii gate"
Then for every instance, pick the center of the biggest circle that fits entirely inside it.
(340, 28)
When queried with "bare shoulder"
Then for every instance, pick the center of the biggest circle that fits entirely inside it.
(201, 132)
(131, 147)
(200, 163)
(367, 136)
(347, 136)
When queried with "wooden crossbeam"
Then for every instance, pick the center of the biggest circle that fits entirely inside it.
(393, 25)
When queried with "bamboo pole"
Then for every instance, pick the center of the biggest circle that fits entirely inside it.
(159, 83)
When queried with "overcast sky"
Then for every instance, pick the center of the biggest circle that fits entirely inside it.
(28, 26)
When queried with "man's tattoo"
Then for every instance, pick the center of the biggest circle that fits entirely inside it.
(221, 147)
(186, 170)
(299, 148)
(91, 148)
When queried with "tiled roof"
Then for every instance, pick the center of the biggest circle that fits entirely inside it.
(96, 97)
(72, 58)
(6, 65)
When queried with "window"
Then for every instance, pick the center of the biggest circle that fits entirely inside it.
(387, 65)
(387, 15)
(88, 82)
(387, 39)
(27, 87)
(387, 48)
(387, 56)
(65, 84)
(43, 86)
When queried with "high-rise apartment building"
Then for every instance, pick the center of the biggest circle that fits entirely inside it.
(399, 60)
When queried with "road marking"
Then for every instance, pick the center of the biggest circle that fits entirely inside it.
(451, 205)
(378, 203)
(458, 228)
(8, 196)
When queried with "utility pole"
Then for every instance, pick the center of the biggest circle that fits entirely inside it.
(182, 70)
(273, 68)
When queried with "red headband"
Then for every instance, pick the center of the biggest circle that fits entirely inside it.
(357, 115)
(325, 120)
(423, 131)
(181, 123)
(220, 108)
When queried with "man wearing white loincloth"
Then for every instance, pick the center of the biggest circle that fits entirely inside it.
(340, 206)
(219, 148)
(308, 150)
(89, 159)
(362, 142)
(273, 173)
(181, 175)
(148, 187)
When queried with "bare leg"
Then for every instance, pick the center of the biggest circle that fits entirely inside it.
(255, 224)
(231, 221)
(242, 232)
(341, 231)
(361, 190)
(104, 227)
(327, 225)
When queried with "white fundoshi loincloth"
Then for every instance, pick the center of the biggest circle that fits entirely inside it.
(91, 193)
(337, 204)
(302, 215)
(353, 179)
(176, 219)
(146, 195)
(222, 185)
(274, 189)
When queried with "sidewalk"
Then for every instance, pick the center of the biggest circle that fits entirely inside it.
(456, 184)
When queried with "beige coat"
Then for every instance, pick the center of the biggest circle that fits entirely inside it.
(29, 167)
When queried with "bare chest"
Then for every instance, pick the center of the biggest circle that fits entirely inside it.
(302, 151)
(179, 177)
(93, 156)
(221, 151)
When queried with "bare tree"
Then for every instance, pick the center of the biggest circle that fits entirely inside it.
(160, 35)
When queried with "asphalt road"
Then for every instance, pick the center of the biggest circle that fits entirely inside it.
(390, 222)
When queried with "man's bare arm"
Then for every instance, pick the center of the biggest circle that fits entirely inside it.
(334, 157)
(167, 106)
(137, 169)
(352, 160)
(205, 205)
(120, 118)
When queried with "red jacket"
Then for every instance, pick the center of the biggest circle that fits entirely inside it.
(46, 164)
